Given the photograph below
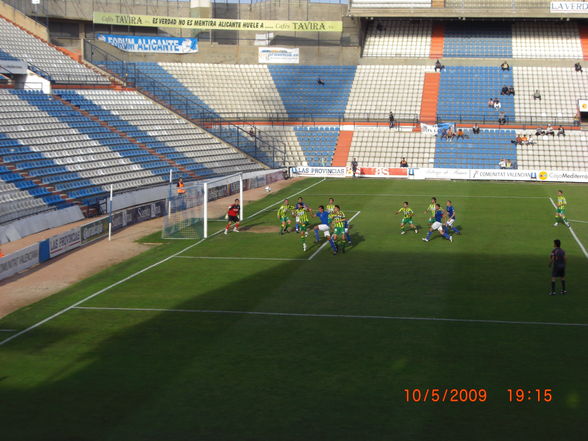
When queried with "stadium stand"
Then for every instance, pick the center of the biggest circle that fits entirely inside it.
(318, 144)
(401, 38)
(546, 40)
(568, 152)
(559, 87)
(232, 91)
(44, 59)
(484, 40)
(379, 90)
(382, 147)
(465, 91)
(20, 197)
(303, 94)
(286, 135)
(391, 4)
(162, 131)
(398, 38)
(484, 150)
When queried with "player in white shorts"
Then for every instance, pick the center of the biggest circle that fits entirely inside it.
(323, 227)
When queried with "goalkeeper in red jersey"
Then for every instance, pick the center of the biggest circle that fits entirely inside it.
(233, 214)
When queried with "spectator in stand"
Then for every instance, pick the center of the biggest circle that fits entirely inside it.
(540, 131)
(578, 67)
(460, 134)
(508, 164)
(497, 104)
(379, 27)
(511, 91)
(491, 102)
(320, 82)
(438, 66)
(450, 134)
(504, 90)
(549, 130)
(403, 163)
(505, 66)
(561, 131)
(537, 95)
(502, 118)
(502, 163)
(518, 140)
(476, 129)
(524, 140)
(391, 119)
(252, 132)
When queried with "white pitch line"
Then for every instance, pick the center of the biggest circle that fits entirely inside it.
(236, 258)
(103, 290)
(573, 233)
(345, 316)
(422, 195)
(7, 330)
(579, 221)
(325, 243)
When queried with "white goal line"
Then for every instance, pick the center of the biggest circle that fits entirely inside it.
(335, 316)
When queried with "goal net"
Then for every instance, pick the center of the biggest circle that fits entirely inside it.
(194, 213)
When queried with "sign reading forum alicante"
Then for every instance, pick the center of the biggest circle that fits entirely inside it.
(217, 23)
(569, 7)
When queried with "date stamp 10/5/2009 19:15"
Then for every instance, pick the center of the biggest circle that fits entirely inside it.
(476, 395)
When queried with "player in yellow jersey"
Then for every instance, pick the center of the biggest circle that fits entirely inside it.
(284, 213)
(431, 210)
(560, 211)
(301, 212)
(330, 206)
(407, 215)
(337, 220)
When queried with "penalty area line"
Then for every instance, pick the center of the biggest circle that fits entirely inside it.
(578, 221)
(326, 242)
(580, 244)
(339, 316)
(135, 274)
(237, 258)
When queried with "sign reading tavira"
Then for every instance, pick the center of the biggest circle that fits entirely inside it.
(217, 23)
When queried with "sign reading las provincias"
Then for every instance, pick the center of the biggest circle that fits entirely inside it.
(217, 23)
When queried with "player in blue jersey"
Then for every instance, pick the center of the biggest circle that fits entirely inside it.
(450, 210)
(324, 227)
(438, 225)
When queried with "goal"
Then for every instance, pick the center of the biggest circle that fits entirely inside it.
(192, 216)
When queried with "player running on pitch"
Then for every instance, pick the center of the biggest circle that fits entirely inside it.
(284, 213)
(431, 210)
(303, 221)
(233, 216)
(407, 215)
(450, 210)
(560, 211)
(337, 221)
(438, 225)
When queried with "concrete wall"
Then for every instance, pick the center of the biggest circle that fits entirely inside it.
(22, 20)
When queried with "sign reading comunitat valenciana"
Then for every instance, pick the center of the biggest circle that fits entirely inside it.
(217, 23)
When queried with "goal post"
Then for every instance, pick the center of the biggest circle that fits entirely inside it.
(194, 214)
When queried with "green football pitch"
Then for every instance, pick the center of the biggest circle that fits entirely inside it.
(247, 337)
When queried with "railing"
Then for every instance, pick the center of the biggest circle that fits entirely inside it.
(269, 151)
(468, 5)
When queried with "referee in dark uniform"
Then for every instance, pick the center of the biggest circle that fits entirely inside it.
(557, 263)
